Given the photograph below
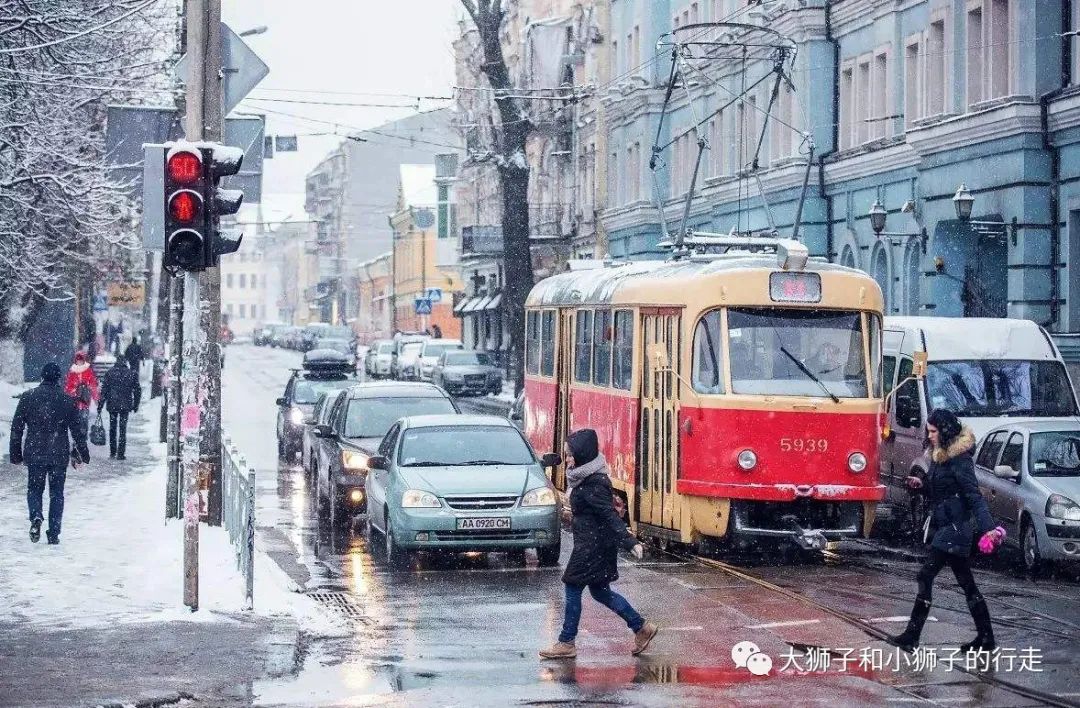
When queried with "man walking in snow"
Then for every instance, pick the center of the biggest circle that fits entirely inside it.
(46, 416)
(120, 394)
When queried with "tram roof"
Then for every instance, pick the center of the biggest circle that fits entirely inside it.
(603, 283)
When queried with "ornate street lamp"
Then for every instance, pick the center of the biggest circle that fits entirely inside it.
(878, 215)
(964, 203)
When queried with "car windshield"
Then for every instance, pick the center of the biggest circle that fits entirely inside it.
(386, 348)
(435, 349)
(468, 359)
(337, 345)
(797, 352)
(987, 387)
(1055, 454)
(455, 445)
(412, 349)
(372, 417)
(307, 391)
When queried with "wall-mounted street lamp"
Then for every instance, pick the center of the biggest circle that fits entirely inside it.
(878, 216)
(964, 202)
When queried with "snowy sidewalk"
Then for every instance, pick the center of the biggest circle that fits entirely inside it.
(99, 618)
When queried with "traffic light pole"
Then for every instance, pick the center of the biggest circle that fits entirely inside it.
(204, 122)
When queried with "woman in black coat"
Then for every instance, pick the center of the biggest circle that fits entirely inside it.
(598, 534)
(957, 512)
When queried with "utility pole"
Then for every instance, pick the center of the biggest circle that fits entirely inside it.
(204, 122)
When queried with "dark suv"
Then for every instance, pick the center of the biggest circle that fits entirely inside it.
(358, 421)
(323, 372)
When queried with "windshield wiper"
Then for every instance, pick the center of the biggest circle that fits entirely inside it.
(815, 379)
(427, 463)
(485, 462)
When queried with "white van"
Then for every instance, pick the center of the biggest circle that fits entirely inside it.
(987, 371)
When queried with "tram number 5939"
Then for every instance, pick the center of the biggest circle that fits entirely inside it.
(804, 444)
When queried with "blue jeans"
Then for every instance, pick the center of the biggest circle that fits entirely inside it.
(35, 490)
(607, 597)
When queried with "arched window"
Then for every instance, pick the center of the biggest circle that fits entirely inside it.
(879, 270)
(911, 278)
(847, 257)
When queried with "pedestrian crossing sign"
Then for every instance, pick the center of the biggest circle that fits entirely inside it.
(423, 306)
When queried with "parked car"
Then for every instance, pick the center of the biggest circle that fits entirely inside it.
(468, 372)
(380, 357)
(1029, 472)
(314, 331)
(516, 415)
(984, 370)
(431, 351)
(402, 340)
(264, 336)
(461, 483)
(284, 337)
(322, 372)
(406, 365)
(359, 418)
(343, 346)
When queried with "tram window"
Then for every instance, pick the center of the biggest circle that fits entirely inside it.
(670, 467)
(532, 343)
(547, 345)
(602, 336)
(643, 471)
(708, 375)
(658, 450)
(583, 346)
(789, 352)
(623, 368)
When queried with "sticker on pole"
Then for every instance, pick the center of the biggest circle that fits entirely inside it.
(189, 420)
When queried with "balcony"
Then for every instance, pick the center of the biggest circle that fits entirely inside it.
(478, 240)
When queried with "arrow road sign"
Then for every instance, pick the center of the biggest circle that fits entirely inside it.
(242, 68)
(423, 306)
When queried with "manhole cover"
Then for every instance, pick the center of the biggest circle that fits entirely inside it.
(342, 603)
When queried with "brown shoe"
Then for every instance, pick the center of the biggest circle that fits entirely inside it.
(643, 637)
(561, 650)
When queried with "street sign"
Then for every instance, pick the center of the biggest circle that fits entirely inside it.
(424, 218)
(423, 306)
(101, 302)
(243, 68)
(127, 294)
(434, 294)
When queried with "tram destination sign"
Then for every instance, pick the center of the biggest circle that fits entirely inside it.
(795, 287)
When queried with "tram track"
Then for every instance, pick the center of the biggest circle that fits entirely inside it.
(869, 629)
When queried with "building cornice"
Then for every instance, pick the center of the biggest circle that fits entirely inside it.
(871, 162)
(1065, 112)
(992, 123)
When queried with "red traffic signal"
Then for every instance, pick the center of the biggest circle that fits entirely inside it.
(184, 167)
(185, 206)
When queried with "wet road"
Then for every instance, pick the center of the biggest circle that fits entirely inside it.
(465, 630)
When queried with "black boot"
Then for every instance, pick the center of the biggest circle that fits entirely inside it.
(984, 629)
(909, 639)
(35, 530)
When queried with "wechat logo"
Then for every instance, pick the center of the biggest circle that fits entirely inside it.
(749, 656)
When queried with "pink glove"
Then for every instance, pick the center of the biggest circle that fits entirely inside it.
(991, 540)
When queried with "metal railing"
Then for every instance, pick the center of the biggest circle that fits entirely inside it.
(238, 511)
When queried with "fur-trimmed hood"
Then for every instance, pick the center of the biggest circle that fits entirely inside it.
(964, 442)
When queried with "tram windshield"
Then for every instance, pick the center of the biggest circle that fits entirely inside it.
(786, 352)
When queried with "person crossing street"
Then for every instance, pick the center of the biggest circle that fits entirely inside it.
(44, 419)
(120, 394)
(598, 535)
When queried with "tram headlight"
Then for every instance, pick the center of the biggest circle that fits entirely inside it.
(747, 460)
(856, 462)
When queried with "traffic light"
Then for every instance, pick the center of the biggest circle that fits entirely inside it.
(194, 203)
(186, 221)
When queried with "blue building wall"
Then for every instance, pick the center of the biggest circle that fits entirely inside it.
(996, 146)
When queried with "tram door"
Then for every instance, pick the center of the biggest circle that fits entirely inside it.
(659, 438)
(564, 376)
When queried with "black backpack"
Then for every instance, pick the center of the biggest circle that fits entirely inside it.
(83, 394)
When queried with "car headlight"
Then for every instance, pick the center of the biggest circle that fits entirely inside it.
(354, 461)
(419, 499)
(541, 496)
(856, 462)
(1061, 507)
(296, 416)
(747, 460)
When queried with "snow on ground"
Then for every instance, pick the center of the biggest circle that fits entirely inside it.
(119, 561)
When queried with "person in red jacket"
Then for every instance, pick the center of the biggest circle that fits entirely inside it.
(82, 385)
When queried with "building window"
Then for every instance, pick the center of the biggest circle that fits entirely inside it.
(912, 82)
(882, 108)
(444, 211)
(229, 280)
(782, 139)
(635, 51)
(974, 56)
(229, 309)
(583, 347)
(243, 311)
(862, 102)
(936, 75)
(999, 48)
(615, 57)
(716, 146)
(847, 97)
(243, 280)
(613, 182)
(254, 280)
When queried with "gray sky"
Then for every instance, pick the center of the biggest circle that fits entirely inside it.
(318, 46)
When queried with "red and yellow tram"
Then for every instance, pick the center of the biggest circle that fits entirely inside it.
(736, 396)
